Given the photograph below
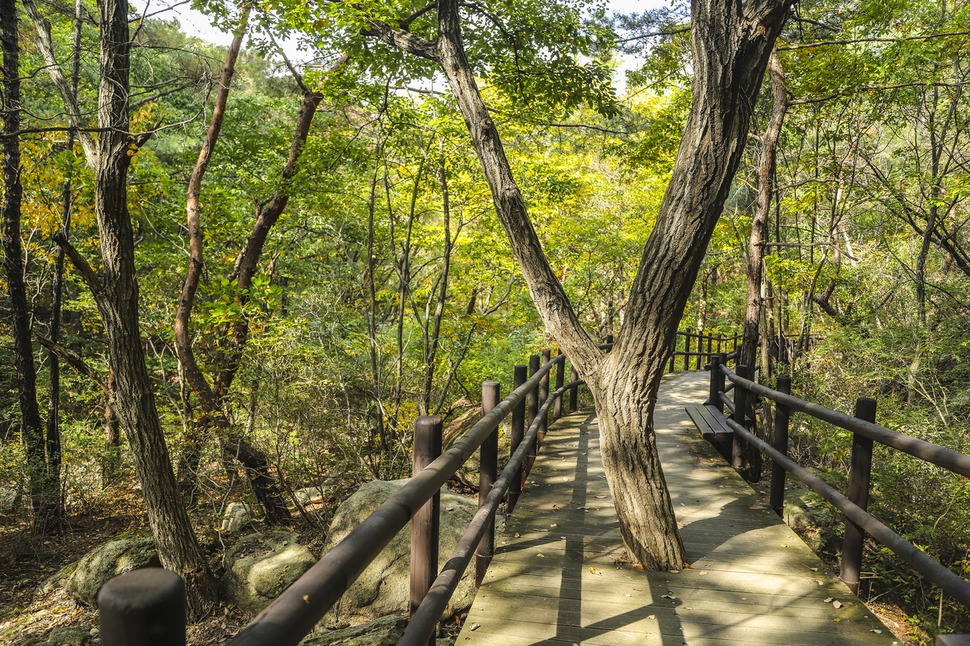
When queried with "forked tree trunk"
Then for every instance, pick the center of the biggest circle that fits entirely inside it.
(213, 417)
(731, 43)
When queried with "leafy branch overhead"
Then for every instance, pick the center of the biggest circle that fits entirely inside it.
(542, 55)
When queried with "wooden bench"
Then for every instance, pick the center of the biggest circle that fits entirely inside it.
(710, 421)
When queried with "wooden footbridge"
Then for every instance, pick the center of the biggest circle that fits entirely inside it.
(560, 575)
(555, 572)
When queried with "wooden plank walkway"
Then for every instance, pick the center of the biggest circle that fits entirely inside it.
(560, 574)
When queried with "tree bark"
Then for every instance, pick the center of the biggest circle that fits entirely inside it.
(44, 482)
(115, 290)
(751, 456)
(731, 43)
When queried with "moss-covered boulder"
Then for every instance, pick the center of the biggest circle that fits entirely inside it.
(82, 579)
(260, 566)
(383, 588)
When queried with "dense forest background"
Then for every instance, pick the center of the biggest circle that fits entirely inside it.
(345, 271)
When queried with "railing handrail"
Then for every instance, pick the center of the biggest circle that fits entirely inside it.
(425, 620)
(293, 614)
(941, 456)
(855, 511)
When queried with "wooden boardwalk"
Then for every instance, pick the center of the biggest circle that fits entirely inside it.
(560, 574)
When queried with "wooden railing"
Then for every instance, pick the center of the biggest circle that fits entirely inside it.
(148, 605)
(854, 502)
(694, 350)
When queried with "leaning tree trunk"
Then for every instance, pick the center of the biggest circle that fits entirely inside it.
(115, 291)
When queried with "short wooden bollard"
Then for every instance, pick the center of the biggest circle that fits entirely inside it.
(144, 607)
(425, 524)
(487, 473)
(859, 474)
(543, 396)
(560, 380)
(515, 438)
(777, 498)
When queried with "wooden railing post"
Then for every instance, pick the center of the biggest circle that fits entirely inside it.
(710, 342)
(531, 413)
(700, 351)
(777, 498)
(425, 524)
(145, 606)
(740, 404)
(560, 380)
(717, 384)
(721, 382)
(543, 396)
(686, 350)
(609, 341)
(515, 437)
(858, 493)
(532, 408)
(574, 391)
(487, 473)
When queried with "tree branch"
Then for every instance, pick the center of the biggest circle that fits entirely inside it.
(874, 39)
(871, 88)
(401, 39)
(74, 360)
(44, 44)
(81, 265)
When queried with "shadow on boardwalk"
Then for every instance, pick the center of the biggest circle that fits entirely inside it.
(561, 575)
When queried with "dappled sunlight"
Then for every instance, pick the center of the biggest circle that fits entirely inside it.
(561, 575)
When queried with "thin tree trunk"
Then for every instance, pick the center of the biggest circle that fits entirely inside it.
(53, 439)
(751, 456)
(115, 291)
(433, 335)
(44, 489)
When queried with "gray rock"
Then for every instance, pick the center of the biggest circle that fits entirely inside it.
(260, 566)
(383, 588)
(384, 631)
(82, 580)
(70, 636)
(9, 501)
(238, 516)
(312, 495)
